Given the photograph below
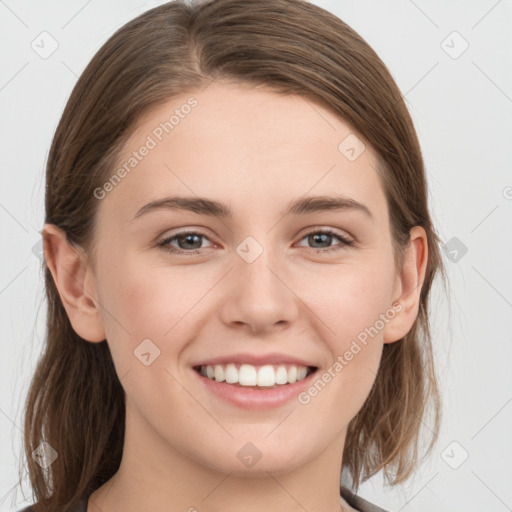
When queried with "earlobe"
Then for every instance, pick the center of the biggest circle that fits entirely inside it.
(409, 282)
(74, 280)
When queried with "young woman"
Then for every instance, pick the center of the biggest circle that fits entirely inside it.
(239, 255)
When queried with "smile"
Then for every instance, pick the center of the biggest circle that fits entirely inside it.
(248, 375)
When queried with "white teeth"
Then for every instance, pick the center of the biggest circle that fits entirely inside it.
(249, 375)
(292, 374)
(219, 373)
(266, 376)
(231, 374)
(301, 373)
(281, 375)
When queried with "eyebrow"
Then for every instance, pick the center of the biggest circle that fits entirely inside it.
(300, 206)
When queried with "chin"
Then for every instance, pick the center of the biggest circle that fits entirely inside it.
(254, 459)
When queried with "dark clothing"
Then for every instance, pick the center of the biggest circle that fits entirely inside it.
(357, 502)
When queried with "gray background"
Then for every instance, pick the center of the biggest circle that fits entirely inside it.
(461, 102)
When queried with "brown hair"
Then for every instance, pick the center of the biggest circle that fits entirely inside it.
(76, 401)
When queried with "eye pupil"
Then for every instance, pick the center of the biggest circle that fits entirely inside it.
(189, 240)
(320, 237)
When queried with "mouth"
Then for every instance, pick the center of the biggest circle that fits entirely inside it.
(258, 377)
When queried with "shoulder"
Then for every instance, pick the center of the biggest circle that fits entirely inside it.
(360, 504)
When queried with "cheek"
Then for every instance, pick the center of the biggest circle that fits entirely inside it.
(160, 304)
(338, 392)
(143, 297)
(351, 306)
(349, 300)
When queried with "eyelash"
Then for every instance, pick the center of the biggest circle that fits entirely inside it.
(165, 244)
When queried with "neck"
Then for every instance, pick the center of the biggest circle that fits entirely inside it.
(156, 476)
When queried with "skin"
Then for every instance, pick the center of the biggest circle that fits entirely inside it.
(255, 151)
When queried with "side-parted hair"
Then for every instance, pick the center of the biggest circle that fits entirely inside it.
(76, 402)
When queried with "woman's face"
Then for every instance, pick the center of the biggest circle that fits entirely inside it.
(257, 284)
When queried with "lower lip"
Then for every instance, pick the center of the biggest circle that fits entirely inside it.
(249, 398)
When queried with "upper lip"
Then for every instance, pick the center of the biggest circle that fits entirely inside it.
(255, 360)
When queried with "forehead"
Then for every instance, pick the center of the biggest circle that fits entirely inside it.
(249, 145)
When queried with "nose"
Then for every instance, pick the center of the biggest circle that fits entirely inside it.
(259, 295)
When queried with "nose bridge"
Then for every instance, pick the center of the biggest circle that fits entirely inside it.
(259, 295)
(256, 264)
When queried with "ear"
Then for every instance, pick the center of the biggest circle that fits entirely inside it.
(75, 282)
(408, 286)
